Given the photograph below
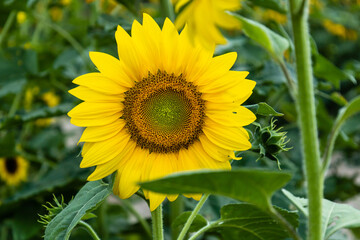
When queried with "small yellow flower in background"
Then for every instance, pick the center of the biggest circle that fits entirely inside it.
(51, 99)
(166, 106)
(65, 2)
(21, 17)
(56, 14)
(44, 122)
(204, 17)
(339, 30)
(29, 96)
(13, 170)
(271, 15)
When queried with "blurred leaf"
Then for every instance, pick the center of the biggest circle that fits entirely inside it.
(276, 5)
(12, 87)
(335, 216)
(255, 186)
(45, 112)
(198, 222)
(271, 41)
(338, 98)
(246, 221)
(349, 110)
(86, 200)
(263, 109)
(327, 70)
(64, 173)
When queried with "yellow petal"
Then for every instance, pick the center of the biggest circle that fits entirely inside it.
(131, 174)
(216, 152)
(95, 110)
(237, 117)
(111, 67)
(97, 121)
(227, 81)
(88, 95)
(104, 151)
(99, 82)
(100, 133)
(197, 153)
(232, 138)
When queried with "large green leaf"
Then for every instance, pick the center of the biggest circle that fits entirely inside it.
(335, 216)
(246, 221)
(86, 200)
(271, 41)
(255, 186)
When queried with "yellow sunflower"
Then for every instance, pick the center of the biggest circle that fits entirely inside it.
(13, 170)
(205, 16)
(165, 106)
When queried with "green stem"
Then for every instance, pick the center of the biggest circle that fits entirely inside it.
(192, 217)
(15, 104)
(289, 79)
(176, 208)
(167, 9)
(141, 220)
(157, 223)
(306, 111)
(6, 28)
(204, 229)
(89, 229)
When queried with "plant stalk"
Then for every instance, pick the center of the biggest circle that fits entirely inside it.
(89, 229)
(167, 9)
(157, 223)
(176, 208)
(192, 216)
(6, 28)
(307, 114)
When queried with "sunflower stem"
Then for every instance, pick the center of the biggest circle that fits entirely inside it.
(141, 220)
(307, 113)
(6, 28)
(176, 208)
(89, 229)
(157, 223)
(204, 229)
(192, 216)
(167, 9)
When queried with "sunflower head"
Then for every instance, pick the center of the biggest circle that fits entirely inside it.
(13, 170)
(164, 106)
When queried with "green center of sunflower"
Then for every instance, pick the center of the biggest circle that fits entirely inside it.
(164, 113)
(11, 165)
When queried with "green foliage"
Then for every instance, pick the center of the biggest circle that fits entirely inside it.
(268, 39)
(198, 223)
(254, 186)
(335, 216)
(87, 200)
(263, 109)
(245, 221)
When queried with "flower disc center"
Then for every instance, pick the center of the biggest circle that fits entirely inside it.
(164, 113)
(11, 165)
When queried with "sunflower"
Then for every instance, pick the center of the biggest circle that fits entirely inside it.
(205, 16)
(165, 106)
(13, 170)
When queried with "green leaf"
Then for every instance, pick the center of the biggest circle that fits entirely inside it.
(349, 110)
(246, 221)
(335, 216)
(263, 109)
(271, 41)
(255, 186)
(199, 222)
(276, 5)
(327, 70)
(86, 200)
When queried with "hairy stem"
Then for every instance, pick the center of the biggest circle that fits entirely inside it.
(192, 217)
(307, 114)
(89, 229)
(157, 223)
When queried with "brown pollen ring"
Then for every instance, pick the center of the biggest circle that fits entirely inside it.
(164, 113)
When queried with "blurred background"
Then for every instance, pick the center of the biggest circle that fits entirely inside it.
(44, 45)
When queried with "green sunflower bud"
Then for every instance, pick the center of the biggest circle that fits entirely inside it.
(269, 142)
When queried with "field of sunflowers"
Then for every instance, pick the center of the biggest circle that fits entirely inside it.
(179, 119)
